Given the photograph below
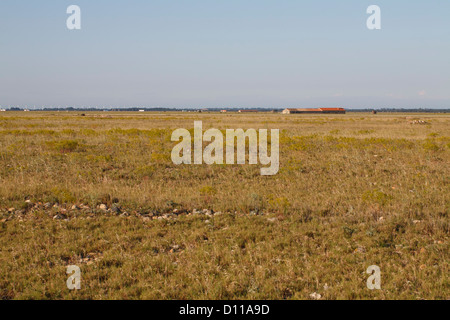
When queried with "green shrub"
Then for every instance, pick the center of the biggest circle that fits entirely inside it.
(376, 196)
(63, 146)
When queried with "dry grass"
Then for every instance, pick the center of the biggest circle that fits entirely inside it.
(353, 190)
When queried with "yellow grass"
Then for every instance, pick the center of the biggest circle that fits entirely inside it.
(353, 190)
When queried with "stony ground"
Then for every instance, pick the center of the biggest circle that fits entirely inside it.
(101, 192)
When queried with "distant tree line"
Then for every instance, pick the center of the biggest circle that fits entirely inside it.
(133, 109)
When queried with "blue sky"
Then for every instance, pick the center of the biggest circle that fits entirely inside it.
(246, 53)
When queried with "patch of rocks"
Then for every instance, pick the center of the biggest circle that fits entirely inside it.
(419, 122)
(83, 211)
(60, 216)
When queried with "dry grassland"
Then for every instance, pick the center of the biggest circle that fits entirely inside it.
(100, 191)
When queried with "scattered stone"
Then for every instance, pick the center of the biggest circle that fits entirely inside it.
(38, 205)
(207, 212)
(272, 220)
(360, 250)
(116, 210)
(61, 212)
(417, 221)
(315, 296)
(60, 216)
(90, 258)
(418, 122)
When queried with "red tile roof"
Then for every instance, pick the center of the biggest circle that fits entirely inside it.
(332, 109)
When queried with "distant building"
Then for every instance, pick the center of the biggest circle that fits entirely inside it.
(2, 110)
(141, 110)
(223, 111)
(314, 111)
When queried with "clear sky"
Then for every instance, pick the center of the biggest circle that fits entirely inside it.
(225, 53)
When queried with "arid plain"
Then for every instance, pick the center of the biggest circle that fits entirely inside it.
(100, 191)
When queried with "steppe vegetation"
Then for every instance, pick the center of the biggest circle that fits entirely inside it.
(100, 191)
